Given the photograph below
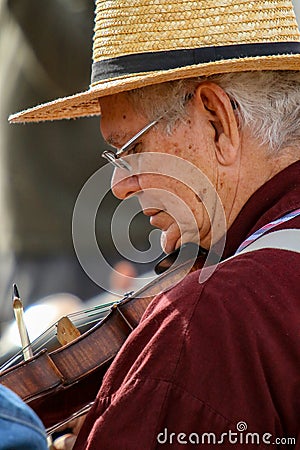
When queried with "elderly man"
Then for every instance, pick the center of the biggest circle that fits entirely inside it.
(201, 102)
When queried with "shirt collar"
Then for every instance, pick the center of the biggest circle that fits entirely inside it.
(277, 197)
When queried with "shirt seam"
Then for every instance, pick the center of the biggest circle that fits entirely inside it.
(171, 384)
(171, 381)
(22, 422)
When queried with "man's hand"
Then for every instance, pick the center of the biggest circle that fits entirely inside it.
(67, 441)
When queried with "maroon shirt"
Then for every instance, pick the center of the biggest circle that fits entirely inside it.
(207, 357)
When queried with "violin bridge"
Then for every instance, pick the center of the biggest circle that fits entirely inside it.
(66, 331)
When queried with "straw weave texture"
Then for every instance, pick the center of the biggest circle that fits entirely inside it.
(127, 29)
(128, 26)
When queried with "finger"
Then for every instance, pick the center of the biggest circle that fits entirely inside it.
(65, 442)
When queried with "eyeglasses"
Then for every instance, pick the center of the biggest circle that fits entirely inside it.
(115, 158)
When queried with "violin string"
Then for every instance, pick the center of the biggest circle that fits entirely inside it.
(95, 310)
(37, 345)
(77, 414)
(79, 319)
(89, 316)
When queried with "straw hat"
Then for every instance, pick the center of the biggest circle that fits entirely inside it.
(143, 42)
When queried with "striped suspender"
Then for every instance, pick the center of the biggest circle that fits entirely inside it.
(291, 239)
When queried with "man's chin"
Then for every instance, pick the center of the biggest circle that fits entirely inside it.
(169, 244)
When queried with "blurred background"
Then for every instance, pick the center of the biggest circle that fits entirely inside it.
(45, 53)
(296, 4)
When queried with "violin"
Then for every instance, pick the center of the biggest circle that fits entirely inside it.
(61, 383)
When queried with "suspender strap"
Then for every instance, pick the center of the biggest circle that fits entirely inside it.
(257, 234)
(283, 239)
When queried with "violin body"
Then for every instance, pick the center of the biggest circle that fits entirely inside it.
(59, 383)
(63, 381)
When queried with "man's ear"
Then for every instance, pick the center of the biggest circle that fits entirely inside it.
(219, 111)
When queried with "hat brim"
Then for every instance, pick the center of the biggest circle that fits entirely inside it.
(86, 103)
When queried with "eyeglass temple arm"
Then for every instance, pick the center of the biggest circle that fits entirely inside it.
(134, 138)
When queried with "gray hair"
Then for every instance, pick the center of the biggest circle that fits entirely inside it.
(268, 103)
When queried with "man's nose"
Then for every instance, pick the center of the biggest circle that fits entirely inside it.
(123, 184)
